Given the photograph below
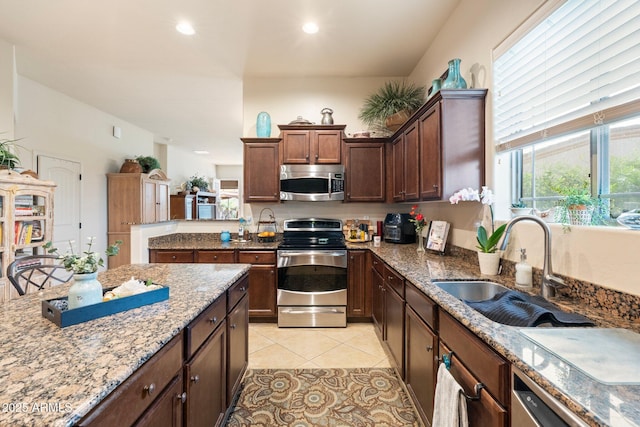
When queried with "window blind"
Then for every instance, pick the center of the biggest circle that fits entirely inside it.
(579, 67)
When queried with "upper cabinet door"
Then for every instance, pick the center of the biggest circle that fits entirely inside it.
(261, 165)
(326, 146)
(431, 170)
(296, 146)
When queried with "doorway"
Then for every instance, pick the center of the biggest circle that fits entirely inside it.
(66, 200)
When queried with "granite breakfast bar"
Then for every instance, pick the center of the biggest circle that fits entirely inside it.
(54, 376)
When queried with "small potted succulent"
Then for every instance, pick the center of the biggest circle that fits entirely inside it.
(519, 208)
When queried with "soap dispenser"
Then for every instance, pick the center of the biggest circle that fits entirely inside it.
(524, 273)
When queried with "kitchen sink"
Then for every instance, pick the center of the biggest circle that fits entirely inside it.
(513, 309)
(472, 290)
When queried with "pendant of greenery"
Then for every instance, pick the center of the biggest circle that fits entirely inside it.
(200, 182)
(148, 163)
(393, 97)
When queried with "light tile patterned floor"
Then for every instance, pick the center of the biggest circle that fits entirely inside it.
(356, 346)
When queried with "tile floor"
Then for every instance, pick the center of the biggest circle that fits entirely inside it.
(355, 346)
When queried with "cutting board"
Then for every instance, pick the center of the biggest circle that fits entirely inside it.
(608, 355)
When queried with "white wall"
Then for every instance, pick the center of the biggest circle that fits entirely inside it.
(6, 90)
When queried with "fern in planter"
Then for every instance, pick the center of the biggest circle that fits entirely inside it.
(148, 163)
(390, 99)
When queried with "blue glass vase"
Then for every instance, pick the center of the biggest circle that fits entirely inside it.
(454, 80)
(263, 125)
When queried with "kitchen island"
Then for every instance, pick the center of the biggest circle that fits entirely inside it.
(54, 376)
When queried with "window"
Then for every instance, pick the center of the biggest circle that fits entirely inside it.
(228, 200)
(567, 104)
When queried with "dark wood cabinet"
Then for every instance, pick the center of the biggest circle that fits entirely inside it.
(364, 161)
(311, 144)
(394, 325)
(261, 169)
(263, 283)
(205, 381)
(484, 412)
(171, 256)
(224, 256)
(182, 206)
(452, 143)
(405, 165)
(377, 297)
(421, 349)
(358, 286)
(167, 409)
(238, 346)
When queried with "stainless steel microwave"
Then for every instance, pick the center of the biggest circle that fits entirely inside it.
(312, 183)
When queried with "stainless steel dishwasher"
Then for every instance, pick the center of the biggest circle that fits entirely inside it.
(531, 406)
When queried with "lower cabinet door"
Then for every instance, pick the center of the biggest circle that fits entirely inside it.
(421, 349)
(205, 381)
(238, 349)
(483, 412)
(377, 308)
(167, 408)
(394, 322)
(262, 291)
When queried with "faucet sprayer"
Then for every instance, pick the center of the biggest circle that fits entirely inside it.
(549, 281)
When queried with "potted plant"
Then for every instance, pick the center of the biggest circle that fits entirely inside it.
(577, 206)
(198, 183)
(8, 159)
(399, 99)
(148, 163)
(519, 208)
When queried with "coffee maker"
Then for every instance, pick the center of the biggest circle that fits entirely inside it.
(398, 228)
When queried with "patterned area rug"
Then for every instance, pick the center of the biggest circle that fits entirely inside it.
(323, 397)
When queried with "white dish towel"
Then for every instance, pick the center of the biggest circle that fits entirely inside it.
(450, 405)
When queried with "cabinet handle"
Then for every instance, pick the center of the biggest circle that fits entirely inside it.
(195, 379)
(182, 397)
(214, 320)
(316, 157)
(215, 257)
(351, 257)
(429, 348)
(233, 326)
(435, 185)
(389, 278)
(257, 257)
(375, 262)
(173, 257)
(150, 388)
(242, 289)
(307, 157)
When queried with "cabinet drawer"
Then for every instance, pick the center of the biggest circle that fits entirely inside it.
(237, 291)
(486, 411)
(257, 257)
(127, 402)
(421, 304)
(394, 280)
(172, 256)
(215, 257)
(482, 361)
(378, 265)
(202, 326)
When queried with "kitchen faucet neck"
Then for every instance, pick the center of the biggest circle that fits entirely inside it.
(549, 281)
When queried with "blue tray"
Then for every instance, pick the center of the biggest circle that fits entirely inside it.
(64, 318)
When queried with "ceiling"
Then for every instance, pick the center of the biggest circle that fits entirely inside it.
(125, 57)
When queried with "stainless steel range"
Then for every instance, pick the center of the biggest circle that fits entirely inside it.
(312, 274)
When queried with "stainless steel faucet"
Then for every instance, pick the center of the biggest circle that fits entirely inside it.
(549, 281)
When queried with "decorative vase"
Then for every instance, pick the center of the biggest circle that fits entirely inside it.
(131, 166)
(454, 80)
(420, 240)
(580, 214)
(489, 263)
(436, 84)
(85, 290)
(327, 118)
(263, 125)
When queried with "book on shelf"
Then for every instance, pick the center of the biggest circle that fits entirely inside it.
(24, 232)
(23, 211)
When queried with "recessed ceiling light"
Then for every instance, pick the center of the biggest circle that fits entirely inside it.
(185, 28)
(200, 151)
(310, 28)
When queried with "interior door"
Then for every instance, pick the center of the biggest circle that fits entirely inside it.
(66, 200)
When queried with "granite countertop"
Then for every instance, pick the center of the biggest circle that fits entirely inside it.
(599, 404)
(205, 241)
(53, 376)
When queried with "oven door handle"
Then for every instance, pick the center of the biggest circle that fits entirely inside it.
(311, 253)
(315, 310)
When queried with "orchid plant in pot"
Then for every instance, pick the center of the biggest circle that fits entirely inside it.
(488, 254)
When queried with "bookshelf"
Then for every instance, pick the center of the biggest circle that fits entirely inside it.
(26, 221)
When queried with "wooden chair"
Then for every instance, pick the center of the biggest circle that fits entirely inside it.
(37, 271)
